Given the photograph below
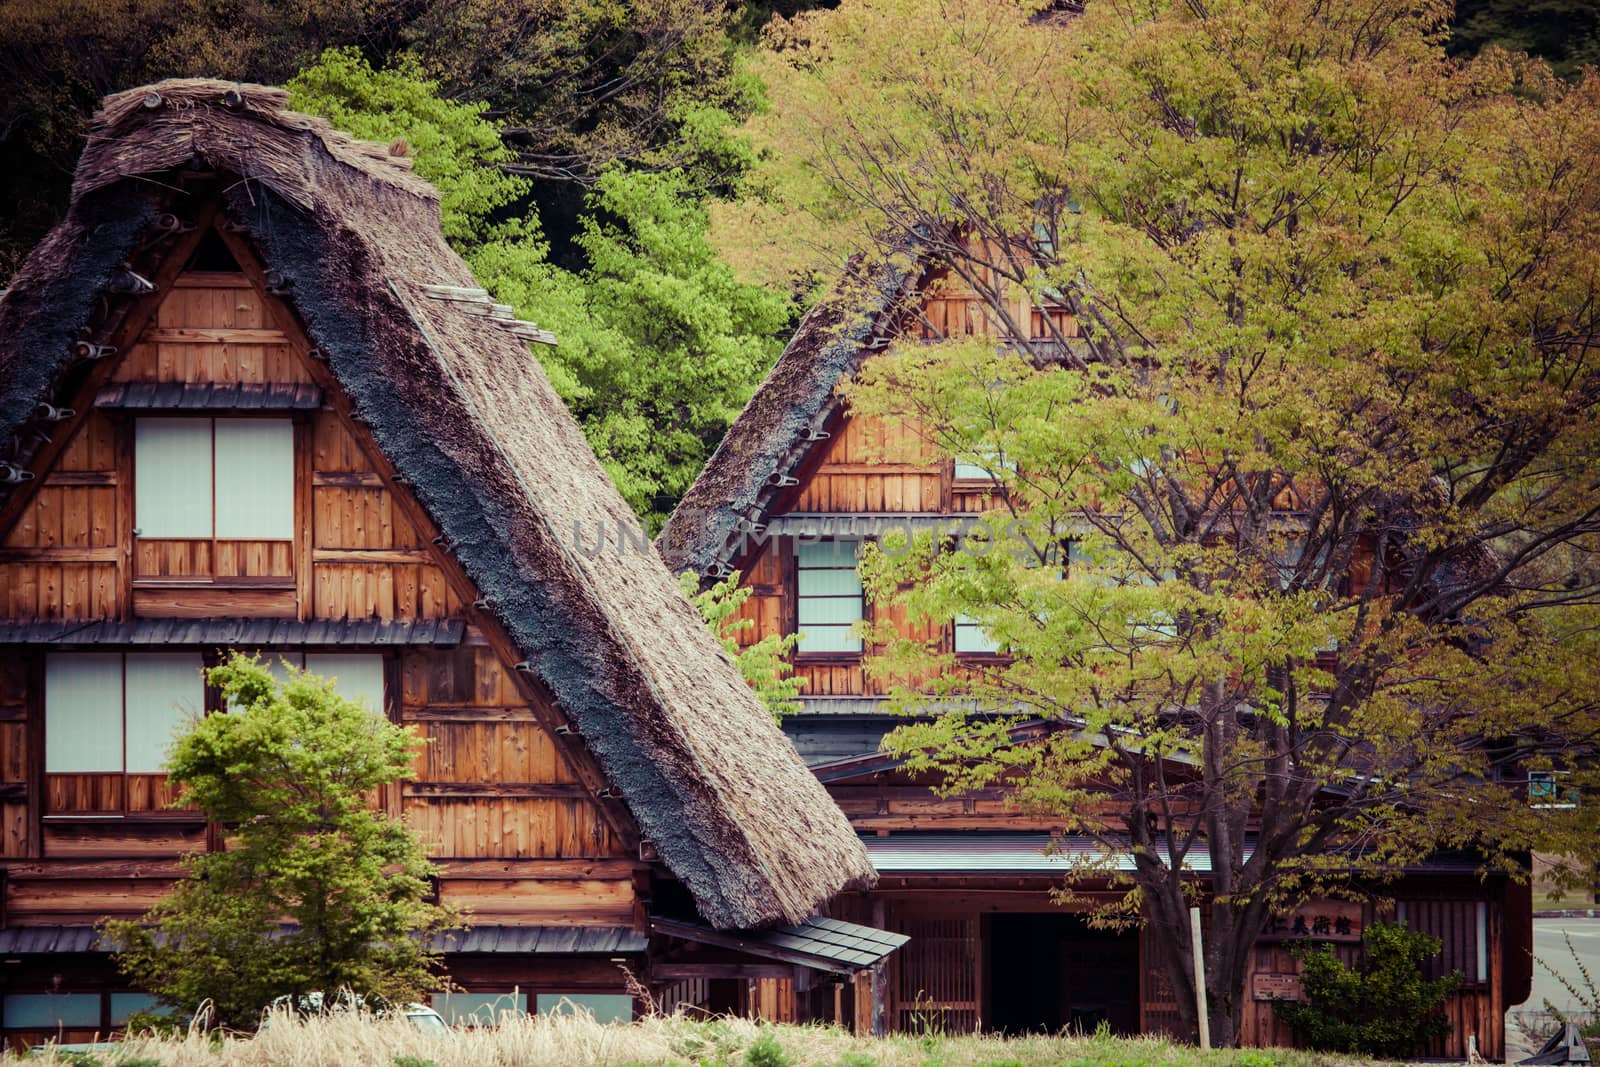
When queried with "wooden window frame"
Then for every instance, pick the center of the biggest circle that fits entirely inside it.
(300, 446)
(823, 656)
(209, 698)
(211, 703)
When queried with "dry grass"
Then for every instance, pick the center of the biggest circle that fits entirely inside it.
(567, 1041)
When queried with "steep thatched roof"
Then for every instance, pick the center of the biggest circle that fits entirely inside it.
(469, 419)
(777, 428)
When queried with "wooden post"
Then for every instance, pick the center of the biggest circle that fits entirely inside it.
(880, 994)
(1199, 979)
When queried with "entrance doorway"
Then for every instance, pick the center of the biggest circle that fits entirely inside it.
(1052, 972)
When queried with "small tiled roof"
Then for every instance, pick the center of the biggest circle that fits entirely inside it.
(265, 633)
(818, 942)
(543, 940)
(199, 396)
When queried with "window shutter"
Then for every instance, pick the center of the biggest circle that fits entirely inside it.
(172, 477)
(255, 479)
(165, 691)
(356, 677)
(83, 713)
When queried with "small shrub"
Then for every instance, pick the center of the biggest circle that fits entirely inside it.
(414, 1061)
(1255, 1059)
(765, 1051)
(1384, 1007)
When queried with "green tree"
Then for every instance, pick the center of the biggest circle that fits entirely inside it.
(764, 663)
(590, 83)
(660, 344)
(1383, 1006)
(1286, 512)
(575, 86)
(1565, 32)
(291, 774)
(453, 145)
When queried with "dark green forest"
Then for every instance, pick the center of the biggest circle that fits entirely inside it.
(577, 144)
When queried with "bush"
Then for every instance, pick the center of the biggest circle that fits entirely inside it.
(1383, 1007)
(765, 1051)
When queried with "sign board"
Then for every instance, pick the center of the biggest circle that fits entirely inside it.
(1269, 986)
(1317, 920)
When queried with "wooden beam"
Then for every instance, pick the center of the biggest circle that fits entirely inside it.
(347, 479)
(669, 972)
(468, 713)
(370, 555)
(502, 870)
(546, 790)
(95, 869)
(60, 554)
(224, 336)
(63, 478)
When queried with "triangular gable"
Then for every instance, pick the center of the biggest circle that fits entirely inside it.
(780, 429)
(467, 419)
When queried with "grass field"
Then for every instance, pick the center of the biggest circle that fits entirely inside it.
(566, 1041)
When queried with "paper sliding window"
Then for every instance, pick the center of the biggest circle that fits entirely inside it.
(228, 479)
(830, 598)
(983, 468)
(479, 1009)
(357, 676)
(605, 1007)
(972, 638)
(112, 713)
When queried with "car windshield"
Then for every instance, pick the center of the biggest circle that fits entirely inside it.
(428, 1022)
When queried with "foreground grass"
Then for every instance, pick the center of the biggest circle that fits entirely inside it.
(567, 1041)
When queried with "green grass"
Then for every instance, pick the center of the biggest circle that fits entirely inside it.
(568, 1041)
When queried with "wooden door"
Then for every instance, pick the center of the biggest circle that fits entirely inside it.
(936, 987)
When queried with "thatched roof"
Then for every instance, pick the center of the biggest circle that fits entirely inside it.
(469, 419)
(777, 429)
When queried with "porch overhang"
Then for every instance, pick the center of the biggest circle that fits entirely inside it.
(818, 943)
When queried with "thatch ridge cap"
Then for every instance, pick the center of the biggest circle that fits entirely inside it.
(176, 106)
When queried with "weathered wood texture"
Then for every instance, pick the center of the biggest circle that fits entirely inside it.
(481, 732)
(493, 785)
(72, 554)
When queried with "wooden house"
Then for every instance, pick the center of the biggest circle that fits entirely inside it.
(250, 399)
(795, 483)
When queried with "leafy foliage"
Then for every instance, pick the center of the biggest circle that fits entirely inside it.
(1381, 1007)
(1291, 431)
(659, 344)
(292, 773)
(764, 663)
(576, 86)
(1566, 32)
(454, 147)
(765, 1051)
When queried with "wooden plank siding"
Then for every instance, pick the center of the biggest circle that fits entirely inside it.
(497, 797)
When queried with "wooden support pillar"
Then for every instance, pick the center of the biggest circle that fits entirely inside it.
(879, 986)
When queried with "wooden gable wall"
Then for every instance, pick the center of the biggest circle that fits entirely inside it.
(507, 806)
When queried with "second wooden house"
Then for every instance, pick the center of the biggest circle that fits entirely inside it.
(797, 485)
